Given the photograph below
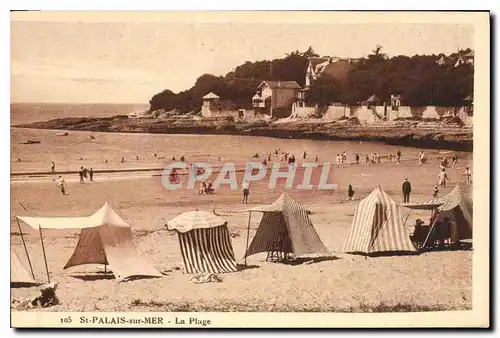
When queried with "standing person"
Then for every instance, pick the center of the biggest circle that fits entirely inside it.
(246, 191)
(344, 157)
(367, 160)
(417, 233)
(137, 157)
(85, 171)
(91, 175)
(53, 167)
(398, 157)
(390, 157)
(123, 159)
(378, 158)
(317, 159)
(80, 173)
(406, 191)
(305, 155)
(268, 158)
(357, 158)
(436, 192)
(467, 176)
(60, 184)
(442, 178)
(350, 192)
(444, 162)
(454, 160)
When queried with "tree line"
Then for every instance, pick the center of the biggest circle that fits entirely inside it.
(419, 79)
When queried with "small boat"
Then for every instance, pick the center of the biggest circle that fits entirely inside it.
(32, 142)
(62, 134)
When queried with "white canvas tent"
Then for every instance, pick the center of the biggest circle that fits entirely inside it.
(18, 272)
(105, 238)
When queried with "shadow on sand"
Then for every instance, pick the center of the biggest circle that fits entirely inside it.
(242, 267)
(94, 277)
(309, 260)
(16, 285)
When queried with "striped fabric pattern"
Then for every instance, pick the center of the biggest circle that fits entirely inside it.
(457, 206)
(287, 220)
(377, 226)
(207, 250)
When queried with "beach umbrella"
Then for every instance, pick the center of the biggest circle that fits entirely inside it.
(195, 220)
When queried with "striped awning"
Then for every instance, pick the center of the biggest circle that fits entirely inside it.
(204, 241)
(207, 250)
(377, 226)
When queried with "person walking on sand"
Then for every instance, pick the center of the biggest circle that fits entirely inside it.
(378, 158)
(246, 191)
(406, 190)
(80, 173)
(60, 184)
(53, 167)
(350, 192)
(436, 192)
(467, 175)
(398, 157)
(454, 160)
(317, 159)
(304, 156)
(367, 160)
(91, 175)
(123, 159)
(357, 158)
(442, 178)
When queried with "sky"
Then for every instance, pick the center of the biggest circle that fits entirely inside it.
(77, 58)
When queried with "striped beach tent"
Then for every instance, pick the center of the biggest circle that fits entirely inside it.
(286, 221)
(377, 226)
(204, 241)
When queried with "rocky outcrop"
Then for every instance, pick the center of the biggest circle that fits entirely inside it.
(415, 133)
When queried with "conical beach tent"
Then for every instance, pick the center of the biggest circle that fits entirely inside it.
(377, 226)
(287, 220)
(105, 238)
(204, 241)
(457, 206)
(18, 272)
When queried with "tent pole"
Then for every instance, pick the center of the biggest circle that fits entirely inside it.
(44, 255)
(248, 235)
(25, 249)
(105, 269)
(406, 220)
(430, 231)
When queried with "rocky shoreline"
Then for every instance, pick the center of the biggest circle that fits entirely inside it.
(412, 133)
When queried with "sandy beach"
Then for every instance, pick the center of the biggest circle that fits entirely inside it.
(343, 283)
